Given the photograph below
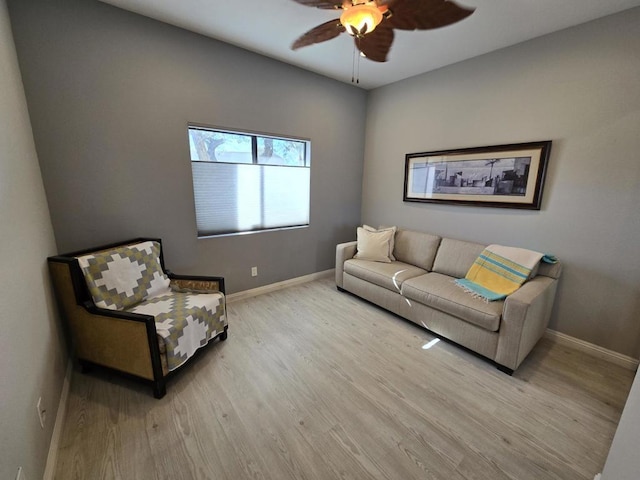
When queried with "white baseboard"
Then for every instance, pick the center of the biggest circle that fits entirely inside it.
(54, 446)
(616, 358)
(234, 297)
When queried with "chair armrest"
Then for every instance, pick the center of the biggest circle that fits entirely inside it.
(525, 318)
(105, 312)
(122, 340)
(197, 282)
(344, 251)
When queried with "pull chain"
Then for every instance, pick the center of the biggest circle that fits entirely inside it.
(355, 63)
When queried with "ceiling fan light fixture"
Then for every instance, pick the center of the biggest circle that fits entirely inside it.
(361, 19)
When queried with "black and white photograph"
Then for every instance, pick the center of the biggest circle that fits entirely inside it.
(500, 176)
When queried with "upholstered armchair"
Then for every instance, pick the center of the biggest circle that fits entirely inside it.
(125, 311)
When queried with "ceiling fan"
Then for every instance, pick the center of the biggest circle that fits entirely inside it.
(371, 22)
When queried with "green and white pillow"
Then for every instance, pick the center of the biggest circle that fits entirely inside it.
(121, 278)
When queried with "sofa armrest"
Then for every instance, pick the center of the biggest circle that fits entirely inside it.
(553, 270)
(196, 282)
(344, 251)
(525, 318)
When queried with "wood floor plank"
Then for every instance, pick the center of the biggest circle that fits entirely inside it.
(317, 384)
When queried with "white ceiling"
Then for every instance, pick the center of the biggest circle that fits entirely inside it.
(269, 27)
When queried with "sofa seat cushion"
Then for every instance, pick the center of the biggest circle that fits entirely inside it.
(185, 321)
(440, 292)
(386, 275)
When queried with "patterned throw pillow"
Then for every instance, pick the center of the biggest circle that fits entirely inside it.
(123, 277)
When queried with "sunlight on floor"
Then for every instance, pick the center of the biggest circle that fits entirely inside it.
(431, 344)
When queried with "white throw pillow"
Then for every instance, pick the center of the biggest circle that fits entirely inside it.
(392, 242)
(373, 246)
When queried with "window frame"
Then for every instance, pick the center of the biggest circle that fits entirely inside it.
(254, 135)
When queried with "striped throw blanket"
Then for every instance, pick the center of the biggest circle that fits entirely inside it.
(499, 271)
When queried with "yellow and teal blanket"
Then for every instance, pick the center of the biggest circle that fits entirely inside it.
(499, 271)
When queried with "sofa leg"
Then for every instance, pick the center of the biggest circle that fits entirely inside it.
(506, 370)
(340, 289)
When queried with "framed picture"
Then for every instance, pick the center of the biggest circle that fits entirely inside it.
(509, 176)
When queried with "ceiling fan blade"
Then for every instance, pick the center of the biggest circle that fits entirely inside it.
(324, 4)
(319, 34)
(376, 45)
(425, 14)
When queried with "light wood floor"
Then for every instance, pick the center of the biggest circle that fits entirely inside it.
(317, 384)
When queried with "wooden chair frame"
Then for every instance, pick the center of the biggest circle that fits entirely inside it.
(121, 341)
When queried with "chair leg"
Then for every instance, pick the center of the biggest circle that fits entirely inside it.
(85, 367)
(223, 335)
(159, 388)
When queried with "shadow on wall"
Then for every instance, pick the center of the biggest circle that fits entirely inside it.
(61, 336)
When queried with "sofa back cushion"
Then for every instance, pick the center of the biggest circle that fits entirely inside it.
(124, 276)
(416, 248)
(455, 257)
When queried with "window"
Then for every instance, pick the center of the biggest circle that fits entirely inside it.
(245, 183)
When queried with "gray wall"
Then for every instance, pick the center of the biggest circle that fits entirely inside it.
(31, 343)
(581, 89)
(110, 94)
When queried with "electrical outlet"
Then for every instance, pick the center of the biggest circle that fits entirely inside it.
(254, 271)
(20, 475)
(42, 412)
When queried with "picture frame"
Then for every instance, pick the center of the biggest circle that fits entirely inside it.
(504, 176)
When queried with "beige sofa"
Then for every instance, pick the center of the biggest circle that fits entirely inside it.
(419, 286)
